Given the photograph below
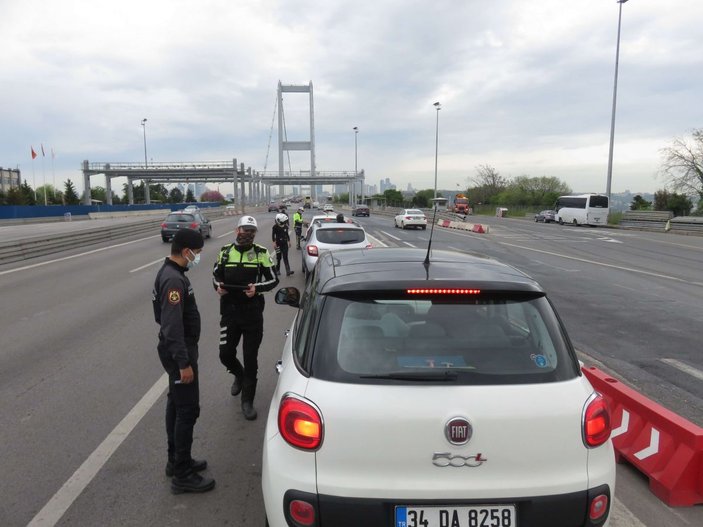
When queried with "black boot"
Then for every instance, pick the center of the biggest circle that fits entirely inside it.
(248, 392)
(193, 482)
(196, 465)
(236, 386)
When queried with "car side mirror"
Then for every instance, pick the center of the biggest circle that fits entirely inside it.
(289, 296)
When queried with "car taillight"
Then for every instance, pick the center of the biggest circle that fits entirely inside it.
(302, 512)
(596, 421)
(193, 225)
(599, 507)
(368, 245)
(408, 217)
(312, 250)
(163, 225)
(443, 291)
(300, 423)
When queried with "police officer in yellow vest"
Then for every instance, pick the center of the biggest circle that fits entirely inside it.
(242, 272)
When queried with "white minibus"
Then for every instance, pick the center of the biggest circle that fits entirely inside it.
(582, 209)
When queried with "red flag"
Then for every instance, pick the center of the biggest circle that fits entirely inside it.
(34, 154)
(42, 150)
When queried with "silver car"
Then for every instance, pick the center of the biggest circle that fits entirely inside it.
(326, 236)
(410, 218)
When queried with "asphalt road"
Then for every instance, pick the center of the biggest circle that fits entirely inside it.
(81, 387)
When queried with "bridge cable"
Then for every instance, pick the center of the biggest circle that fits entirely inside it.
(273, 118)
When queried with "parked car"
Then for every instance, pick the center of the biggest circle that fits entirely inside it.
(546, 216)
(274, 207)
(360, 210)
(185, 220)
(431, 395)
(328, 235)
(328, 207)
(410, 218)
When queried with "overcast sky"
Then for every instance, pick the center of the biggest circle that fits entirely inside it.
(525, 86)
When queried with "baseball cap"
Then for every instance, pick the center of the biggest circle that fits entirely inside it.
(247, 221)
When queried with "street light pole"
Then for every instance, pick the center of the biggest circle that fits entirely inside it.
(356, 170)
(438, 106)
(612, 118)
(144, 127)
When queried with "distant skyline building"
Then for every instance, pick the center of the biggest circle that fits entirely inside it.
(387, 185)
(9, 178)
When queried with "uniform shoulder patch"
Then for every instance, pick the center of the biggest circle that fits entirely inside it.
(174, 296)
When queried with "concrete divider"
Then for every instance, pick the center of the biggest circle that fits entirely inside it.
(126, 214)
(463, 226)
(664, 446)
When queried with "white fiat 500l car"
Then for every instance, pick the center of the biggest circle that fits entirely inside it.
(416, 395)
(411, 218)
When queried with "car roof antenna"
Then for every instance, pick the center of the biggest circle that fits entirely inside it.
(426, 263)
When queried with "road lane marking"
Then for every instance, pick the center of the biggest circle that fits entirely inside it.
(620, 267)
(698, 374)
(410, 245)
(48, 262)
(376, 241)
(391, 236)
(230, 233)
(57, 506)
(147, 265)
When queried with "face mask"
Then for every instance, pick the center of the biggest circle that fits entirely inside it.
(245, 238)
(195, 261)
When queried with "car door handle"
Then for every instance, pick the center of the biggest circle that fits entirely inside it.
(279, 367)
(286, 332)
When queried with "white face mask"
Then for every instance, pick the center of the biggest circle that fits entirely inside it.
(195, 261)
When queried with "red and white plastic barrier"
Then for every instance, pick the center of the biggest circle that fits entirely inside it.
(667, 448)
(472, 227)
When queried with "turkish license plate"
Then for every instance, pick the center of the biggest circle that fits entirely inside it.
(450, 516)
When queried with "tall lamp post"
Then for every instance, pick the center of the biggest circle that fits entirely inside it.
(615, 96)
(356, 170)
(144, 127)
(438, 107)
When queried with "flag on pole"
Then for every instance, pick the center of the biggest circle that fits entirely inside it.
(34, 154)
(42, 150)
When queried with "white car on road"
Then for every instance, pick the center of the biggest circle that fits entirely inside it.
(411, 218)
(440, 395)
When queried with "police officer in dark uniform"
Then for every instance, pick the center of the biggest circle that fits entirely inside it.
(177, 313)
(281, 242)
(242, 272)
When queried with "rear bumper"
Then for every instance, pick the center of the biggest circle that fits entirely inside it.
(562, 510)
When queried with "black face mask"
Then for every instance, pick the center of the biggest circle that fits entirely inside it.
(244, 239)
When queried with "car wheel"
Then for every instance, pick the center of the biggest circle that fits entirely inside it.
(561, 222)
(424, 227)
(402, 225)
(575, 222)
(165, 239)
(209, 232)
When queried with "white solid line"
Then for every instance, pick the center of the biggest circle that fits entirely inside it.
(390, 235)
(147, 265)
(55, 508)
(698, 374)
(229, 233)
(410, 245)
(376, 240)
(47, 262)
(622, 268)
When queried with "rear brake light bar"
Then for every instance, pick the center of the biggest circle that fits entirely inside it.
(443, 291)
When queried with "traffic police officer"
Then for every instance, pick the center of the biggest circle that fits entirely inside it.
(242, 272)
(298, 226)
(177, 314)
(281, 242)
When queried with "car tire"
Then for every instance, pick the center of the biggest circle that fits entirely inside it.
(576, 223)
(561, 222)
(165, 239)
(402, 225)
(424, 227)
(209, 232)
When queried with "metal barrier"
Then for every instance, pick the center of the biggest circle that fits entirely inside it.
(654, 220)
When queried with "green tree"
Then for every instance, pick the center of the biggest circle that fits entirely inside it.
(394, 198)
(679, 204)
(488, 183)
(422, 198)
(682, 164)
(175, 195)
(639, 203)
(189, 196)
(28, 195)
(15, 196)
(70, 194)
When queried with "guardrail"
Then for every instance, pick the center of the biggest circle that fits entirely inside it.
(655, 220)
(16, 251)
(687, 225)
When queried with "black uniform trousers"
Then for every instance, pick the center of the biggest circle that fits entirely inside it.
(182, 412)
(243, 322)
(282, 254)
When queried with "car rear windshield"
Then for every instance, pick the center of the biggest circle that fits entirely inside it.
(340, 236)
(415, 212)
(489, 340)
(180, 218)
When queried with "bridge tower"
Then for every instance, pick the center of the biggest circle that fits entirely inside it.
(283, 143)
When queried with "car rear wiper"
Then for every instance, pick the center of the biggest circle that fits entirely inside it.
(435, 375)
